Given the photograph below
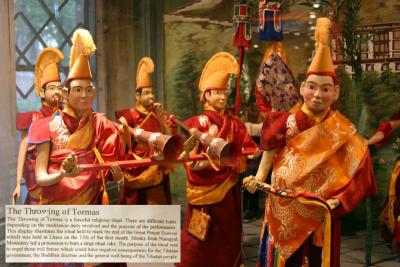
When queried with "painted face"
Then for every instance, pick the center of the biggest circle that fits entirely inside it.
(319, 92)
(52, 93)
(146, 98)
(81, 95)
(217, 99)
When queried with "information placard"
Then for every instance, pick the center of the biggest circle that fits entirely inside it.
(93, 233)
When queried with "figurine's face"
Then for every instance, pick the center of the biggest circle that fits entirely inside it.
(319, 92)
(145, 98)
(81, 95)
(52, 93)
(217, 99)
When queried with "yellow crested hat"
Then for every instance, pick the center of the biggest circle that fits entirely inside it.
(143, 75)
(82, 47)
(217, 71)
(46, 69)
(322, 62)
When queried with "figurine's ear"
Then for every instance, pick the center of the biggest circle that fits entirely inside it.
(336, 89)
(302, 86)
(41, 93)
(65, 94)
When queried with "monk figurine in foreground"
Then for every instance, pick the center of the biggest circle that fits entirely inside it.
(76, 135)
(211, 234)
(315, 151)
(48, 88)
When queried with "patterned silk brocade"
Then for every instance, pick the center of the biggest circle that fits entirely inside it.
(320, 160)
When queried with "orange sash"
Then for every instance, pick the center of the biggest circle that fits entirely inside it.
(320, 160)
(209, 194)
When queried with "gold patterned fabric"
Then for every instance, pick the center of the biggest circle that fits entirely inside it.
(320, 160)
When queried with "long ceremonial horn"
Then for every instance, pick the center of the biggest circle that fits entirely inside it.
(168, 146)
(221, 151)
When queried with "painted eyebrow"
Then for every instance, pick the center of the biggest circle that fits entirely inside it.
(324, 84)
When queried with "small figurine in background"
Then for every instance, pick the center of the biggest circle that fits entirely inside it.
(76, 135)
(212, 231)
(145, 185)
(316, 151)
(390, 215)
(48, 88)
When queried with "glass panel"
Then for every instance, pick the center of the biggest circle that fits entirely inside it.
(32, 102)
(71, 15)
(66, 51)
(53, 5)
(37, 16)
(52, 35)
(34, 31)
(33, 52)
(24, 80)
(23, 32)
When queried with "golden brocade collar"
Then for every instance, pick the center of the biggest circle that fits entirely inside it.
(316, 117)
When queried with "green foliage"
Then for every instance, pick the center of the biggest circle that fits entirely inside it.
(381, 96)
(347, 98)
(185, 93)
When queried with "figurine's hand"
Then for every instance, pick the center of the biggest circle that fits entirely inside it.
(69, 167)
(333, 203)
(158, 109)
(377, 137)
(250, 183)
(16, 193)
(170, 122)
(254, 155)
(117, 172)
(192, 131)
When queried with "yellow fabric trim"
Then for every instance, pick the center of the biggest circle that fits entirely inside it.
(205, 195)
(387, 215)
(317, 117)
(82, 138)
(326, 249)
(151, 113)
(207, 106)
(36, 193)
(103, 178)
(84, 198)
(69, 111)
(141, 109)
(152, 176)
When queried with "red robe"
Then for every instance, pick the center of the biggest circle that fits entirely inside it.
(155, 194)
(87, 187)
(24, 121)
(276, 129)
(394, 188)
(222, 245)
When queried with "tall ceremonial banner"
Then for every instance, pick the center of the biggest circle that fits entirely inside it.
(93, 233)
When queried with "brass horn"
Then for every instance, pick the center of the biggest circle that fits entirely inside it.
(167, 147)
(221, 151)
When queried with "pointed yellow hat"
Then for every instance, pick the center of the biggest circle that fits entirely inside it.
(322, 62)
(46, 69)
(82, 47)
(143, 75)
(217, 71)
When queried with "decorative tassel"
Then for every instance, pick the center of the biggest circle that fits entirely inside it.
(104, 199)
(387, 215)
